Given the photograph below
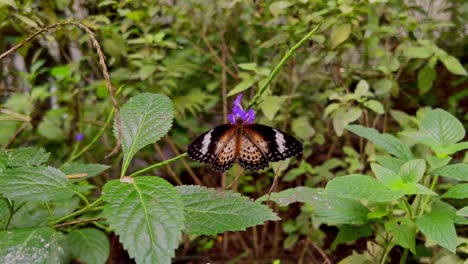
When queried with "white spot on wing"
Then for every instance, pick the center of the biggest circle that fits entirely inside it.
(280, 141)
(205, 143)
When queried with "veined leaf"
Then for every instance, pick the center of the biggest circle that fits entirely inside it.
(404, 233)
(386, 176)
(79, 168)
(413, 170)
(416, 188)
(386, 141)
(442, 127)
(351, 233)
(35, 184)
(457, 171)
(89, 245)
(145, 119)
(390, 162)
(438, 226)
(147, 215)
(31, 245)
(211, 211)
(459, 191)
(27, 157)
(463, 212)
(362, 187)
(437, 162)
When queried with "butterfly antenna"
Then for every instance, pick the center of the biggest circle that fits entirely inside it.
(236, 179)
(275, 180)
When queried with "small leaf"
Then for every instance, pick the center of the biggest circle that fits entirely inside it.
(89, 245)
(386, 176)
(404, 233)
(438, 227)
(145, 118)
(31, 245)
(410, 188)
(147, 216)
(35, 184)
(349, 233)
(386, 141)
(302, 128)
(457, 171)
(442, 127)
(277, 7)
(362, 88)
(361, 187)
(79, 168)
(463, 212)
(251, 66)
(242, 86)
(383, 86)
(426, 76)
(417, 52)
(343, 117)
(271, 105)
(146, 71)
(210, 211)
(8, 2)
(330, 109)
(459, 191)
(389, 162)
(339, 34)
(413, 170)
(375, 106)
(437, 162)
(453, 65)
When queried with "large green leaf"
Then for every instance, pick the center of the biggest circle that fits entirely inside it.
(211, 211)
(459, 191)
(457, 171)
(35, 184)
(362, 187)
(147, 215)
(438, 226)
(26, 157)
(386, 176)
(441, 126)
(328, 208)
(413, 170)
(88, 245)
(388, 142)
(145, 118)
(79, 168)
(31, 245)
(404, 233)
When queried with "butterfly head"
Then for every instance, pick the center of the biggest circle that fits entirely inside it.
(238, 115)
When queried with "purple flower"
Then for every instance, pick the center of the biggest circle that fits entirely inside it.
(238, 113)
(79, 137)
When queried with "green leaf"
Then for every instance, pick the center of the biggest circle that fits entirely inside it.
(328, 208)
(386, 176)
(79, 168)
(277, 7)
(426, 76)
(375, 106)
(147, 216)
(245, 84)
(404, 233)
(31, 245)
(457, 171)
(459, 191)
(437, 162)
(27, 157)
(413, 170)
(302, 128)
(271, 105)
(343, 117)
(453, 65)
(441, 126)
(35, 184)
(210, 211)
(89, 245)
(438, 226)
(383, 86)
(417, 52)
(145, 118)
(146, 71)
(351, 233)
(389, 162)
(8, 2)
(386, 141)
(463, 212)
(361, 187)
(416, 188)
(456, 147)
(339, 34)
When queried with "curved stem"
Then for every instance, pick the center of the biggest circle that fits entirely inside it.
(280, 65)
(157, 165)
(76, 213)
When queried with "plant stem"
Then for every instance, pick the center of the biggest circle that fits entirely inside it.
(426, 199)
(81, 211)
(408, 207)
(157, 165)
(404, 256)
(280, 65)
(388, 248)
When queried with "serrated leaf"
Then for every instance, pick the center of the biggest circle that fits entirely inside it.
(31, 245)
(404, 233)
(386, 141)
(413, 170)
(328, 208)
(457, 171)
(361, 187)
(339, 34)
(459, 191)
(145, 119)
(438, 226)
(443, 127)
(89, 245)
(375, 106)
(453, 65)
(80, 168)
(426, 76)
(386, 176)
(209, 211)
(27, 157)
(147, 215)
(35, 184)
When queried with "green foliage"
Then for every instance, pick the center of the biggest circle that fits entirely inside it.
(88, 245)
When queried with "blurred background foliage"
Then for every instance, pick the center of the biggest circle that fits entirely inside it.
(371, 62)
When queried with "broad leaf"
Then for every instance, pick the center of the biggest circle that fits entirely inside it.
(459, 191)
(27, 157)
(328, 208)
(147, 216)
(441, 126)
(351, 233)
(463, 212)
(339, 34)
(437, 162)
(453, 65)
(145, 118)
(457, 171)
(386, 176)
(388, 142)
(35, 184)
(31, 245)
(413, 170)
(361, 187)
(404, 233)
(416, 188)
(438, 226)
(426, 76)
(389, 162)
(79, 168)
(88, 245)
(211, 211)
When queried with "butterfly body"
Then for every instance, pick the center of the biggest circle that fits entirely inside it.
(253, 146)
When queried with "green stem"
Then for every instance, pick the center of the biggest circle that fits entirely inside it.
(404, 256)
(280, 65)
(81, 211)
(426, 199)
(408, 208)
(388, 248)
(157, 165)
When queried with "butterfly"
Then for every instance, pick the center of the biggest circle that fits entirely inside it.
(253, 146)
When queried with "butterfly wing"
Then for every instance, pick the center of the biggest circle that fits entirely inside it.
(252, 153)
(276, 145)
(208, 147)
